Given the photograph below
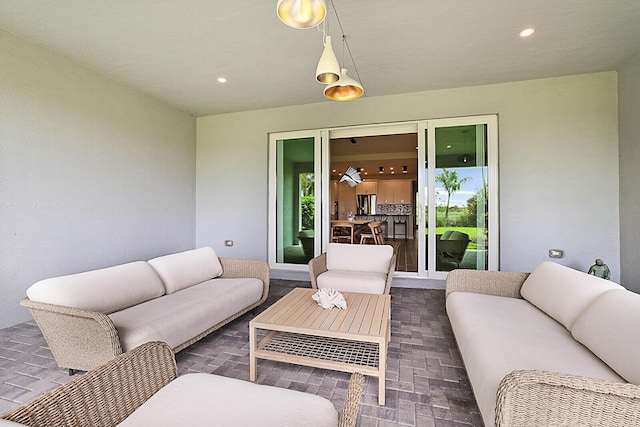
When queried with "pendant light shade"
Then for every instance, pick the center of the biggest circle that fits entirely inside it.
(328, 70)
(301, 13)
(345, 89)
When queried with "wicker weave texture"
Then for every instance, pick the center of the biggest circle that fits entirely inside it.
(540, 398)
(349, 413)
(84, 340)
(105, 396)
(498, 283)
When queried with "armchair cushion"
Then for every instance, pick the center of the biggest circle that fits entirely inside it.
(105, 290)
(184, 269)
(353, 281)
(359, 258)
(193, 399)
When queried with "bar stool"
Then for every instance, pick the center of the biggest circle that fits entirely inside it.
(400, 220)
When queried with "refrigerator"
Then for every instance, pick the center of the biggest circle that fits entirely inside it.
(366, 204)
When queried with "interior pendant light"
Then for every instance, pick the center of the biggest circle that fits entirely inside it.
(301, 13)
(345, 89)
(328, 70)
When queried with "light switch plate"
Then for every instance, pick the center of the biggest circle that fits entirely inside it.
(228, 242)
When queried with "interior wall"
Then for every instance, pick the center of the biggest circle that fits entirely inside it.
(92, 173)
(629, 106)
(558, 152)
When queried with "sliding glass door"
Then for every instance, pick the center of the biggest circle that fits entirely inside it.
(459, 194)
(295, 198)
(452, 211)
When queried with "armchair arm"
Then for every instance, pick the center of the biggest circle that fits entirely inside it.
(498, 283)
(317, 266)
(105, 396)
(392, 269)
(349, 413)
(553, 399)
(78, 339)
(240, 268)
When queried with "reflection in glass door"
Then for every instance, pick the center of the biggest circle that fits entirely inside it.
(296, 190)
(460, 195)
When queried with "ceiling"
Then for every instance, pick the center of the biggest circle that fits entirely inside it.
(174, 51)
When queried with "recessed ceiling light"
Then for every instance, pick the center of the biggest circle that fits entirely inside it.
(527, 32)
(448, 146)
(222, 80)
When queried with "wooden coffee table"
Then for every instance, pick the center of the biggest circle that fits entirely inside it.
(303, 333)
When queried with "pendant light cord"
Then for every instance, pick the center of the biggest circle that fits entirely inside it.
(345, 43)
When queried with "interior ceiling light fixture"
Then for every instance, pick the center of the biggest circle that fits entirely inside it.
(527, 32)
(301, 13)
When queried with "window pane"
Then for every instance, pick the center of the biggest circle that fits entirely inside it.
(461, 198)
(295, 200)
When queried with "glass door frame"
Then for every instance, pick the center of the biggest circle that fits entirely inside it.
(275, 216)
(427, 153)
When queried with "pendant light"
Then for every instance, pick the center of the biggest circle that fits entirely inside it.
(301, 13)
(345, 89)
(328, 70)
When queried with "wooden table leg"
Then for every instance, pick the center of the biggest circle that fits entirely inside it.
(252, 353)
(382, 361)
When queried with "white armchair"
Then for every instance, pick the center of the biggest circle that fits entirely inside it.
(354, 268)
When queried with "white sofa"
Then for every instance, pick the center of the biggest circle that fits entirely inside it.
(141, 388)
(88, 318)
(354, 268)
(556, 347)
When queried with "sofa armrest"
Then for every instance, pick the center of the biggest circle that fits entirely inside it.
(498, 283)
(317, 266)
(78, 339)
(349, 413)
(106, 395)
(241, 268)
(553, 399)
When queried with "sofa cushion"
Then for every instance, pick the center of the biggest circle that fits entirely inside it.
(200, 399)
(353, 281)
(609, 328)
(497, 335)
(180, 316)
(562, 292)
(347, 257)
(105, 290)
(181, 270)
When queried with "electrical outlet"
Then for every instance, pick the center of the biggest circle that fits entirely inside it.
(228, 242)
(556, 253)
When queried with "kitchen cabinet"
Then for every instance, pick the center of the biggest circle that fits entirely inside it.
(345, 195)
(395, 191)
(367, 187)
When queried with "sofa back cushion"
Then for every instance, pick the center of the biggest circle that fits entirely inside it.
(562, 292)
(105, 290)
(348, 257)
(184, 269)
(609, 328)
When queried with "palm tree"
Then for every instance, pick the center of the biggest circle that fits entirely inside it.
(451, 183)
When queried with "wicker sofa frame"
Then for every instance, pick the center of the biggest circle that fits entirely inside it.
(83, 340)
(542, 398)
(104, 397)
